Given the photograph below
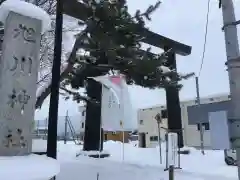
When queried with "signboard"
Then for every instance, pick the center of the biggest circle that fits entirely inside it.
(18, 77)
(172, 146)
(116, 113)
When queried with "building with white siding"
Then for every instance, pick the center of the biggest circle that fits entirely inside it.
(191, 113)
(148, 127)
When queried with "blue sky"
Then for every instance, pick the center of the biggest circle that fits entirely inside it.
(183, 21)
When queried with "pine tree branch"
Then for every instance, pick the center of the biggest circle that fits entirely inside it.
(138, 15)
(77, 97)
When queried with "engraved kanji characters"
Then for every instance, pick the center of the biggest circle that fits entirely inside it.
(12, 99)
(22, 62)
(27, 33)
(9, 139)
(21, 141)
(23, 98)
(18, 98)
(15, 139)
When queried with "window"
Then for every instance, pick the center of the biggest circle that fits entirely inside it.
(141, 122)
(153, 138)
(114, 133)
(205, 126)
(82, 124)
(164, 113)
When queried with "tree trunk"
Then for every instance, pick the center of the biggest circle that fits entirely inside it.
(93, 118)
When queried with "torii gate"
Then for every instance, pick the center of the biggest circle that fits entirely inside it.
(78, 10)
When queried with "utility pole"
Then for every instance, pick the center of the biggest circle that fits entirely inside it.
(159, 121)
(66, 128)
(54, 97)
(233, 67)
(200, 124)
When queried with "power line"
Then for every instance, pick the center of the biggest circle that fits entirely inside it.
(205, 38)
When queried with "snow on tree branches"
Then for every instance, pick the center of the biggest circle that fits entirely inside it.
(112, 37)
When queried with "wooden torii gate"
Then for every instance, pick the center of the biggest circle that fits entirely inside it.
(79, 11)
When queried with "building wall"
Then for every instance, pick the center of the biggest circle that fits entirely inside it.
(117, 136)
(147, 124)
(191, 131)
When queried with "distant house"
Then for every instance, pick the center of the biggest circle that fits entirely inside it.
(108, 135)
(117, 136)
(148, 128)
(191, 115)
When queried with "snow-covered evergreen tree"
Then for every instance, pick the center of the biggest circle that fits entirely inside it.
(112, 37)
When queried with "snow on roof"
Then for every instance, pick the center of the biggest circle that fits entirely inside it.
(26, 9)
(212, 96)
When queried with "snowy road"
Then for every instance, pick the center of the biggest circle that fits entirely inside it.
(108, 170)
(139, 164)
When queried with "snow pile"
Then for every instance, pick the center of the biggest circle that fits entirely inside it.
(28, 167)
(210, 164)
(91, 153)
(26, 9)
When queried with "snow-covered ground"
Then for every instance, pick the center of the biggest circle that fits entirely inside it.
(17, 167)
(139, 163)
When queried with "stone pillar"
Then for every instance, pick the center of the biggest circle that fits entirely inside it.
(18, 76)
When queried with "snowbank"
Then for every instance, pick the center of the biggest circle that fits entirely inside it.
(26, 9)
(93, 153)
(28, 167)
